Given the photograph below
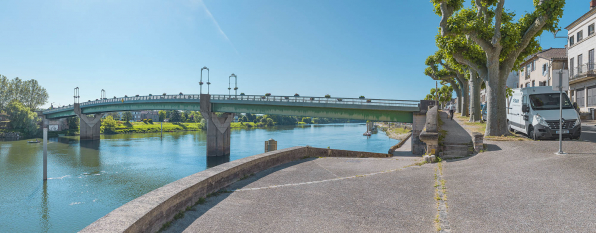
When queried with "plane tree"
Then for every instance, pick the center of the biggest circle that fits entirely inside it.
(451, 76)
(504, 40)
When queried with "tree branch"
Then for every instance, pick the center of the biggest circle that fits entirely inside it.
(479, 68)
(498, 18)
(526, 39)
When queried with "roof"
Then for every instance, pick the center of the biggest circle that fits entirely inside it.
(552, 53)
(581, 19)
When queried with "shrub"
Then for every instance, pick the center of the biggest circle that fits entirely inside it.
(145, 121)
(150, 121)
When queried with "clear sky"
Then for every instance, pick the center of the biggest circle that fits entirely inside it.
(344, 48)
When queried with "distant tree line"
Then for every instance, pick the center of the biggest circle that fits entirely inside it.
(19, 99)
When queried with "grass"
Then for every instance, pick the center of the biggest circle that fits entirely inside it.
(140, 127)
(479, 127)
(400, 130)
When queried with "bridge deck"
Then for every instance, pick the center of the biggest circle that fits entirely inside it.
(353, 108)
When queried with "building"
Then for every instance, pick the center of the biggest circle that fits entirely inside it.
(153, 115)
(537, 69)
(580, 50)
(136, 116)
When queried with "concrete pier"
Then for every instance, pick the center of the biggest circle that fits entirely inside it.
(218, 128)
(89, 126)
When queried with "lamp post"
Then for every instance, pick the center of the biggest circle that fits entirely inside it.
(235, 85)
(103, 94)
(76, 95)
(201, 81)
(229, 88)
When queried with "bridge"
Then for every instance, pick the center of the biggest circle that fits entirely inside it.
(218, 127)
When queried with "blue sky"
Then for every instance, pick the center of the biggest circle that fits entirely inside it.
(344, 48)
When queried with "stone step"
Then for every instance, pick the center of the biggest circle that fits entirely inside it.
(455, 151)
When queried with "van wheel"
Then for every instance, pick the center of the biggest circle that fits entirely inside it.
(531, 133)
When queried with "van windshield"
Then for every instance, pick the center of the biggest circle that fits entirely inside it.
(549, 101)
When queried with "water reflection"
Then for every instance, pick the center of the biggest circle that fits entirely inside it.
(213, 161)
(45, 211)
(88, 179)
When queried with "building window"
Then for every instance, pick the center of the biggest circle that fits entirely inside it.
(543, 68)
(571, 41)
(533, 65)
(533, 83)
(580, 35)
(591, 60)
(590, 30)
(580, 67)
(571, 70)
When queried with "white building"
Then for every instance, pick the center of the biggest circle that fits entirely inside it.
(537, 69)
(580, 51)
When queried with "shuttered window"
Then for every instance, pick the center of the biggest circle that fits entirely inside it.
(591, 96)
(581, 97)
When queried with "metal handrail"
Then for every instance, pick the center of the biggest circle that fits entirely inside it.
(260, 98)
(582, 71)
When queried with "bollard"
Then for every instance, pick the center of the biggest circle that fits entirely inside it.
(270, 145)
(45, 153)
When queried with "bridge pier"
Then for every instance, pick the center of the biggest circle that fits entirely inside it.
(218, 128)
(89, 126)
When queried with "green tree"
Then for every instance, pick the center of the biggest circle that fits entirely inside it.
(127, 116)
(73, 123)
(504, 42)
(269, 122)
(109, 124)
(4, 92)
(162, 115)
(306, 120)
(22, 118)
(114, 115)
(176, 116)
(33, 95)
(250, 117)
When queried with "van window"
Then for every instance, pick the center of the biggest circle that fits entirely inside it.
(549, 101)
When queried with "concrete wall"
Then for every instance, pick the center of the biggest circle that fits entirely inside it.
(150, 211)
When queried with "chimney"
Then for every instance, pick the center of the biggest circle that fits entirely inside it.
(592, 4)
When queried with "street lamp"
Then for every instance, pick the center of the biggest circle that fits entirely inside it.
(76, 95)
(229, 88)
(235, 85)
(201, 82)
(103, 94)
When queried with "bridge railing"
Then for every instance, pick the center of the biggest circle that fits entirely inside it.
(322, 100)
(259, 98)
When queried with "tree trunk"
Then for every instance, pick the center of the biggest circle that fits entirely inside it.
(475, 111)
(496, 124)
(458, 93)
(465, 92)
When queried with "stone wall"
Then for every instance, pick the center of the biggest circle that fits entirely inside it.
(149, 212)
(430, 134)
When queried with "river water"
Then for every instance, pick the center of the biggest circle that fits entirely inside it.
(88, 179)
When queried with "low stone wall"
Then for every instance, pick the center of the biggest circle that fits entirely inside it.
(401, 143)
(10, 135)
(150, 211)
(320, 152)
(430, 133)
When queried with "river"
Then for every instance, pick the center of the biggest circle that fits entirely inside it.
(88, 179)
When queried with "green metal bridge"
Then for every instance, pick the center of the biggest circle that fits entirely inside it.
(348, 108)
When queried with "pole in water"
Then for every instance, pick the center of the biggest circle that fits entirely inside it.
(45, 153)
(561, 113)
(162, 129)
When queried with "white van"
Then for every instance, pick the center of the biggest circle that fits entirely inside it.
(535, 112)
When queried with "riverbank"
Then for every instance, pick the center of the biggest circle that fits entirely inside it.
(398, 132)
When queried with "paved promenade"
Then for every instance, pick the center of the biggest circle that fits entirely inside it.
(517, 186)
(323, 195)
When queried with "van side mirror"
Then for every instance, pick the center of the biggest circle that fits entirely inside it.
(575, 105)
(525, 108)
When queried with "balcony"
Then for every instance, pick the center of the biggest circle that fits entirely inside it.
(582, 73)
